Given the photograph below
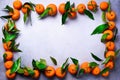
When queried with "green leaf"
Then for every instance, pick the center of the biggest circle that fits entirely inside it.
(16, 66)
(14, 48)
(30, 71)
(32, 6)
(4, 57)
(34, 63)
(67, 5)
(11, 24)
(89, 14)
(42, 64)
(115, 34)
(75, 61)
(93, 64)
(109, 6)
(103, 17)
(65, 66)
(6, 17)
(81, 72)
(53, 60)
(10, 9)
(96, 58)
(104, 70)
(104, 36)
(73, 5)
(117, 51)
(64, 17)
(100, 29)
(20, 71)
(106, 60)
(25, 17)
(45, 13)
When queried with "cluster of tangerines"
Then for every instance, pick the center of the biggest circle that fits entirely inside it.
(11, 32)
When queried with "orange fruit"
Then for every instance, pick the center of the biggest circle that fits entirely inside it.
(110, 65)
(15, 14)
(111, 16)
(110, 34)
(110, 45)
(72, 14)
(105, 74)
(49, 71)
(92, 5)
(8, 64)
(10, 76)
(53, 9)
(72, 69)
(96, 71)
(111, 25)
(110, 53)
(85, 66)
(9, 55)
(6, 45)
(26, 72)
(39, 8)
(59, 73)
(36, 74)
(81, 8)
(104, 5)
(61, 8)
(17, 4)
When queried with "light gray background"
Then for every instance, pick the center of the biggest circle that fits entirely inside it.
(48, 37)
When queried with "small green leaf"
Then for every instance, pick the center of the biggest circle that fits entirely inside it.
(10, 9)
(109, 6)
(45, 13)
(4, 57)
(104, 70)
(25, 17)
(11, 24)
(89, 14)
(117, 51)
(6, 17)
(16, 66)
(75, 61)
(73, 5)
(53, 60)
(64, 17)
(115, 34)
(65, 66)
(67, 5)
(101, 28)
(103, 17)
(34, 63)
(106, 60)
(32, 5)
(104, 36)
(14, 48)
(93, 64)
(20, 71)
(30, 71)
(81, 72)
(96, 58)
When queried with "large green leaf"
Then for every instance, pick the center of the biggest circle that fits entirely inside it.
(65, 66)
(89, 14)
(10, 9)
(16, 66)
(41, 65)
(25, 17)
(96, 58)
(67, 5)
(100, 29)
